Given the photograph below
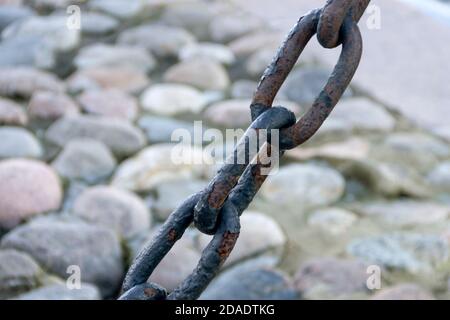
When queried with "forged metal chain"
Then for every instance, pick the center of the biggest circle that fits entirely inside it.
(216, 210)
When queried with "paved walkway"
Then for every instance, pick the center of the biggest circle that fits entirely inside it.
(405, 63)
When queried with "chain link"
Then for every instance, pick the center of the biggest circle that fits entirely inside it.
(216, 210)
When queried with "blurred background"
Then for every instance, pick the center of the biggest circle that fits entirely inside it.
(91, 92)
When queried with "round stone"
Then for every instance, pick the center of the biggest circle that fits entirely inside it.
(57, 244)
(335, 221)
(250, 284)
(159, 129)
(231, 26)
(411, 252)
(85, 159)
(161, 163)
(404, 213)
(121, 78)
(439, 177)
(201, 73)
(119, 135)
(18, 142)
(103, 55)
(170, 194)
(119, 210)
(258, 62)
(111, 103)
(358, 115)
(255, 41)
(207, 51)
(193, 16)
(304, 185)
(241, 89)
(27, 188)
(304, 84)
(48, 105)
(12, 113)
(165, 41)
(172, 99)
(95, 24)
(329, 278)
(18, 273)
(23, 82)
(10, 13)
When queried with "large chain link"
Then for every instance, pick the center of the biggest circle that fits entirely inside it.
(216, 210)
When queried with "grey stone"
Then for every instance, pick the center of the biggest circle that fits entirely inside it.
(11, 13)
(163, 41)
(47, 105)
(250, 43)
(205, 74)
(304, 185)
(439, 177)
(104, 55)
(172, 193)
(357, 115)
(61, 292)
(231, 26)
(27, 188)
(161, 163)
(193, 16)
(404, 213)
(12, 113)
(334, 221)
(19, 51)
(120, 210)
(159, 129)
(258, 61)
(121, 78)
(331, 278)
(23, 82)
(389, 179)
(243, 89)
(85, 159)
(110, 103)
(250, 284)
(18, 273)
(93, 23)
(119, 135)
(171, 99)
(18, 142)
(305, 83)
(120, 9)
(58, 244)
(416, 150)
(411, 252)
(208, 51)
(55, 38)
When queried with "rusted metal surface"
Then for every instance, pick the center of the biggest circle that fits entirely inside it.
(333, 16)
(216, 210)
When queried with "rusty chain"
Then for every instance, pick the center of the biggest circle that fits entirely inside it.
(216, 210)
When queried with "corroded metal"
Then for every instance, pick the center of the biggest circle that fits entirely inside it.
(333, 16)
(216, 210)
